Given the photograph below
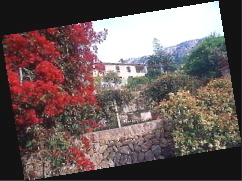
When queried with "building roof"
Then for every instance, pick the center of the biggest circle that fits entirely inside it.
(131, 64)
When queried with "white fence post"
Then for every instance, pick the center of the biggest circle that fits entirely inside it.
(116, 110)
(21, 76)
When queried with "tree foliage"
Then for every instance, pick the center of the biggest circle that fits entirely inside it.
(203, 60)
(105, 99)
(164, 84)
(160, 61)
(112, 77)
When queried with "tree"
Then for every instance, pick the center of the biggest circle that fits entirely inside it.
(203, 60)
(160, 61)
(164, 84)
(50, 78)
(153, 66)
(157, 47)
(78, 42)
(168, 63)
(97, 82)
(107, 100)
(112, 77)
(121, 60)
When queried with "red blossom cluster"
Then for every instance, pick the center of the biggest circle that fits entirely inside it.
(36, 95)
(91, 123)
(14, 83)
(82, 36)
(47, 71)
(27, 118)
(28, 48)
(85, 141)
(100, 67)
(81, 160)
(33, 51)
(51, 31)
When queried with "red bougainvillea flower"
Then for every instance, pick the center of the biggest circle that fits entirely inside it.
(47, 71)
(43, 90)
(51, 30)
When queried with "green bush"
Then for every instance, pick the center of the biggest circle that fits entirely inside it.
(218, 96)
(205, 122)
(165, 84)
(137, 82)
(203, 59)
(105, 99)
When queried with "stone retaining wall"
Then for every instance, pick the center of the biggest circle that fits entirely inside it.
(131, 144)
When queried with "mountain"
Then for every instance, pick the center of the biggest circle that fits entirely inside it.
(143, 59)
(178, 52)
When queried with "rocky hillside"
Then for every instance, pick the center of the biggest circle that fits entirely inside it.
(178, 52)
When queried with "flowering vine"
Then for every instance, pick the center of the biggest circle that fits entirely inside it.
(50, 75)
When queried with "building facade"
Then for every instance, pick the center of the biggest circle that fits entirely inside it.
(124, 71)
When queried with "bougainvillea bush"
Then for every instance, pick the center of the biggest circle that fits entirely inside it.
(51, 85)
(203, 122)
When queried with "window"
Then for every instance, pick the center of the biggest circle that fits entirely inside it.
(140, 69)
(117, 68)
(128, 69)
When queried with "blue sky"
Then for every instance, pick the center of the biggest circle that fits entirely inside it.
(132, 36)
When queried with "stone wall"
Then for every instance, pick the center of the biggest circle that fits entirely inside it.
(131, 144)
(120, 146)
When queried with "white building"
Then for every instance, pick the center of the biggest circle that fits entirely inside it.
(124, 70)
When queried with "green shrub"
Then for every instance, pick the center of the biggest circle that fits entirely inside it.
(165, 84)
(205, 122)
(137, 82)
(105, 99)
(203, 59)
(218, 96)
(224, 83)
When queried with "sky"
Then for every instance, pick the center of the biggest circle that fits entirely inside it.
(131, 36)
